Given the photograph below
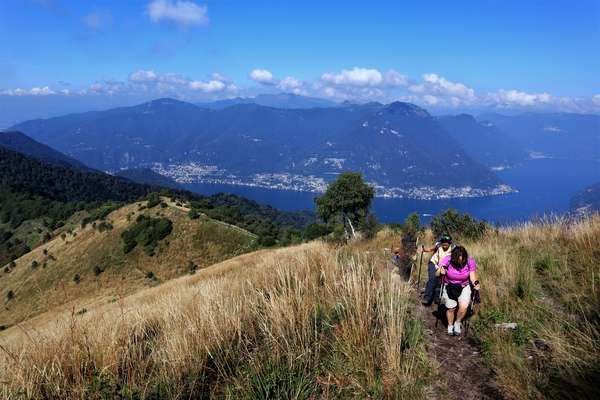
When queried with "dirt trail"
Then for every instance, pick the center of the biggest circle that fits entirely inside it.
(463, 375)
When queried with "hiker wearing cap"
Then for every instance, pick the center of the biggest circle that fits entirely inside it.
(441, 249)
(458, 271)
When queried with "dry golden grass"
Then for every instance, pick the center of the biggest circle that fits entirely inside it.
(302, 322)
(316, 321)
(544, 276)
(52, 284)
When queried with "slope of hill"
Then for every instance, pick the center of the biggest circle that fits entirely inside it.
(554, 135)
(587, 200)
(148, 177)
(20, 143)
(483, 141)
(269, 147)
(88, 264)
(37, 197)
(316, 321)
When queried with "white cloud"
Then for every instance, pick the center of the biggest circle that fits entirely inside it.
(142, 75)
(262, 76)
(35, 91)
(596, 100)
(97, 20)
(218, 77)
(515, 97)
(430, 100)
(181, 12)
(293, 85)
(394, 78)
(107, 87)
(440, 85)
(355, 77)
(208, 87)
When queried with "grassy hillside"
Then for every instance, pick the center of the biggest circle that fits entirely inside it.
(89, 264)
(318, 321)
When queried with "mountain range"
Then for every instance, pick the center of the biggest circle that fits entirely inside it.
(399, 147)
(279, 100)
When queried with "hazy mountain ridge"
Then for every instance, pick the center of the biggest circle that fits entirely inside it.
(21, 143)
(279, 100)
(148, 176)
(484, 141)
(587, 200)
(299, 149)
(553, 135)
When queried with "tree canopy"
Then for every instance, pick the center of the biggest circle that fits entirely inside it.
(347, 200)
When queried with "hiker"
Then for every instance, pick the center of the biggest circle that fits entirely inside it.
(458, 271)
(396, 256)
(441, 249)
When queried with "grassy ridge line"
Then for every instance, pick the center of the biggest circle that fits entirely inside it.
(173, 204)
(303, 322)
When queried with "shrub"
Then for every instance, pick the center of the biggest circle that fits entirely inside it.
(315, 230)
(34, 264)
(194, 214)
(146, 231)
(458, 225)
(98, 270)
(370, 226)
(411, 227)
(10, 295)
(77, 279)
(150, 275)
(153, 200)
(105, 226)
(192, 267)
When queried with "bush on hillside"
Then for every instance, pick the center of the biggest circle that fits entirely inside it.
(146, 232)
(370, 226)
(411, 228)
(153, 200)
(316, 230)
(462, 226)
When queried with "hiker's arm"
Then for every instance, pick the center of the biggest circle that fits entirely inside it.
(441, 270)
(428, 249)
(474, 276)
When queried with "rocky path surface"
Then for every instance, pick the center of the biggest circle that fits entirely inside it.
(463, 374)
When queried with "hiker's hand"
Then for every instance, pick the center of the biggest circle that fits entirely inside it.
(477, 287)
(442, 271)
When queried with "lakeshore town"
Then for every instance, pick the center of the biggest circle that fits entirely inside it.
(209, 174)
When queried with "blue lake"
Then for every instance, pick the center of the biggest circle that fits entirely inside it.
(545, 187)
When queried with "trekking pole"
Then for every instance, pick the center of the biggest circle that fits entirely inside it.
(474, 298)
(437, 314)
(419, 274)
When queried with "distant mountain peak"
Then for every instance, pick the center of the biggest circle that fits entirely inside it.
(402, 108)
(166, 101)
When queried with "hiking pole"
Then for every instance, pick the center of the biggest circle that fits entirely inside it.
(419, 274)
(437, 314)
(474, 299)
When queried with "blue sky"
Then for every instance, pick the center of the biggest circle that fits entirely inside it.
(457, 55)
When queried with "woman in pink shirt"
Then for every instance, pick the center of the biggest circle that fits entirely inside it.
(458, 270)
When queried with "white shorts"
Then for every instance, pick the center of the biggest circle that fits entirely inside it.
(465, 297)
